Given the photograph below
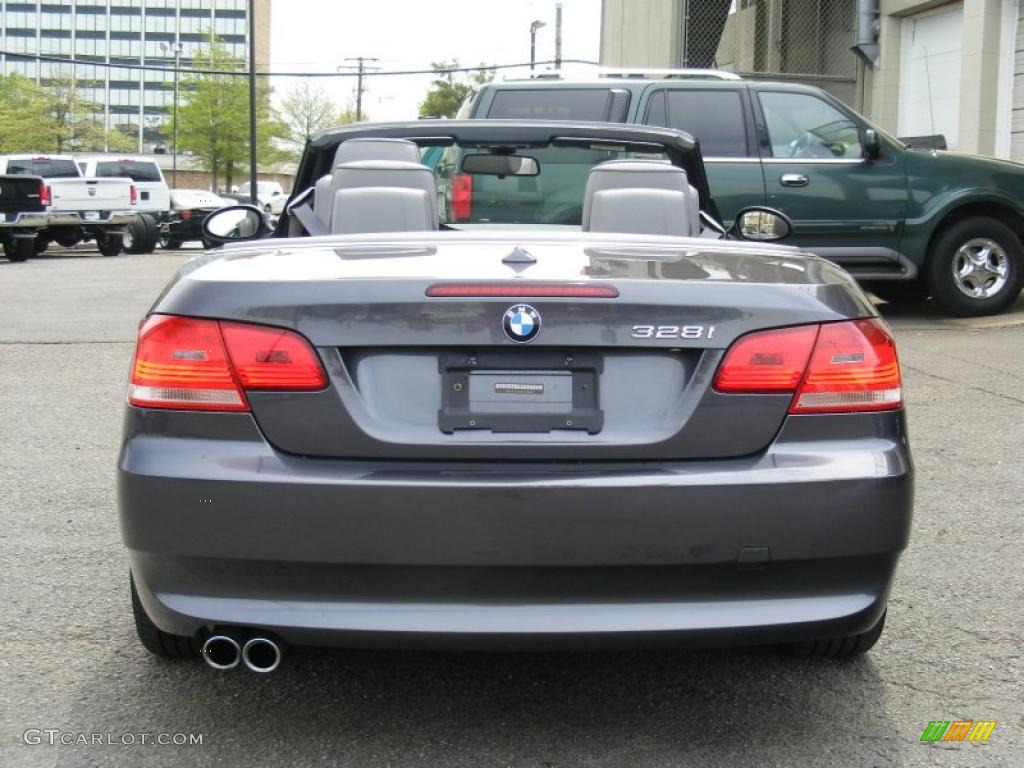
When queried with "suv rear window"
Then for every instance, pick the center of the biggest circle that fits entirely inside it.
(135, 170)
(714, 118)
(560, 104)
(50, 169)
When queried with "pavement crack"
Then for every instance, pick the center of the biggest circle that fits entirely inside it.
(1011, 398)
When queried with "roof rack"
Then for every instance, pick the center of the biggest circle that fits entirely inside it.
(665, 74)
(628, 73)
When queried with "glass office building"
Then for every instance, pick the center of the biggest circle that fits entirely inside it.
(125, 32)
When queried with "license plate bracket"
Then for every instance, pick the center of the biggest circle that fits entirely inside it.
(520, 391)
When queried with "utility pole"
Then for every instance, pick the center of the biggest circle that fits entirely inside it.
(252, 103)
(361, 71)
(534, 26)
(558, 35)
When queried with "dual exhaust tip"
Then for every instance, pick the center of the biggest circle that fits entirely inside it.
(260, 654)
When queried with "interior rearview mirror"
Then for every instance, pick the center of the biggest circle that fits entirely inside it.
(501, 165)
(236, 223)
(872, 146)
(762, 224)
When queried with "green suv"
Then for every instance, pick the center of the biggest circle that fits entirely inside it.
(907, 223)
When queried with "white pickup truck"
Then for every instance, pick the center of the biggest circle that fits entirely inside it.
(77, 208)
(154, 204)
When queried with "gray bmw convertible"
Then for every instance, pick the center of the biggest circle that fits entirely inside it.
(509, 385)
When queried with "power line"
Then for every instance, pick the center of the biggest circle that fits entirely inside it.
(244, 73)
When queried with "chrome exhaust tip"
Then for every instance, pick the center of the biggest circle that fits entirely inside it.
(221, 652)
(261, 654)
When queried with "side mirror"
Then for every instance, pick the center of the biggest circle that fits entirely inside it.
(872, 146)
(235, 224)
(762, 224)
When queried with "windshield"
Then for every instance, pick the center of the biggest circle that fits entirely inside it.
(50, 168)
(551, 195)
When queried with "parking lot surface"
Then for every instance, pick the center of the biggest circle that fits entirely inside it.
(69, 659)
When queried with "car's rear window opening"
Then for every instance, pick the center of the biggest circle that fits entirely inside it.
(551, 196)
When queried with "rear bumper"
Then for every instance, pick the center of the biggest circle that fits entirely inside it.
(800, 541)
(44, 220)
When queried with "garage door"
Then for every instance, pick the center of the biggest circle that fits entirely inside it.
(930, 55)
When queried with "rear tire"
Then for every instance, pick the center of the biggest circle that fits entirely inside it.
(110, 245)
(19, 249)
(899, 291)
(154, 639)
(152, 233)
(39, 246)
(976, 267)
(840, 647)
(170, 244)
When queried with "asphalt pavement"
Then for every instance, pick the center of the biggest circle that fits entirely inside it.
(70, 662)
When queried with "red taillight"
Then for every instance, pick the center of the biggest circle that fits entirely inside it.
(853, 368)
(832, 368)
(134, 193)
(186, 215)
(45, 196)
(523, 290)
(272, 358)
(192, 364)
(767, 361)
(461, 197)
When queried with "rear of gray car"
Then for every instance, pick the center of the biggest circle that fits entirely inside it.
(350, 441)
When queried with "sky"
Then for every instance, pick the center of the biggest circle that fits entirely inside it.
(318, 35)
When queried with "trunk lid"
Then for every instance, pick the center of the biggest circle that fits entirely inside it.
(414, 376)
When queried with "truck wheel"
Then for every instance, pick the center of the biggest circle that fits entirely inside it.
(898, 291)
(19, 249)
(152, 234)
(39, 245)
(170, 243)
(110, 245)
(135, 235)
(840, 647)
(154, 639)
(976, 267)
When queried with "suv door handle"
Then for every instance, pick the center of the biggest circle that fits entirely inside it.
(793, 180)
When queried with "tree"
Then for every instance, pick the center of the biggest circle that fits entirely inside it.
(77, 123)
(306, 110)
(446, 94)
(213, 123)
(25, 120)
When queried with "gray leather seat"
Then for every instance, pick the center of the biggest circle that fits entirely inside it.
(383, 196)
(646, 197)
(356, 150)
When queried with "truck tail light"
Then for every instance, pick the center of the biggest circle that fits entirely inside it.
(186, 363)
(461, 197)
(831, 368)
(134, 193)
(45, 195)
(186, 215)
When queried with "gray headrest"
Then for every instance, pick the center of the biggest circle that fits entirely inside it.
(638, 176)
(386, 173)
(354, 150)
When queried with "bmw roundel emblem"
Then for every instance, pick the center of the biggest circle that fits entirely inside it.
(521, 323)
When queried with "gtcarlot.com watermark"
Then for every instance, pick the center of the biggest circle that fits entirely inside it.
(56, 737)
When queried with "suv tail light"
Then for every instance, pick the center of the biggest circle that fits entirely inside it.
(461, 197)
(134, 193)
(832, 368)
(193, 364)
(45, 195)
